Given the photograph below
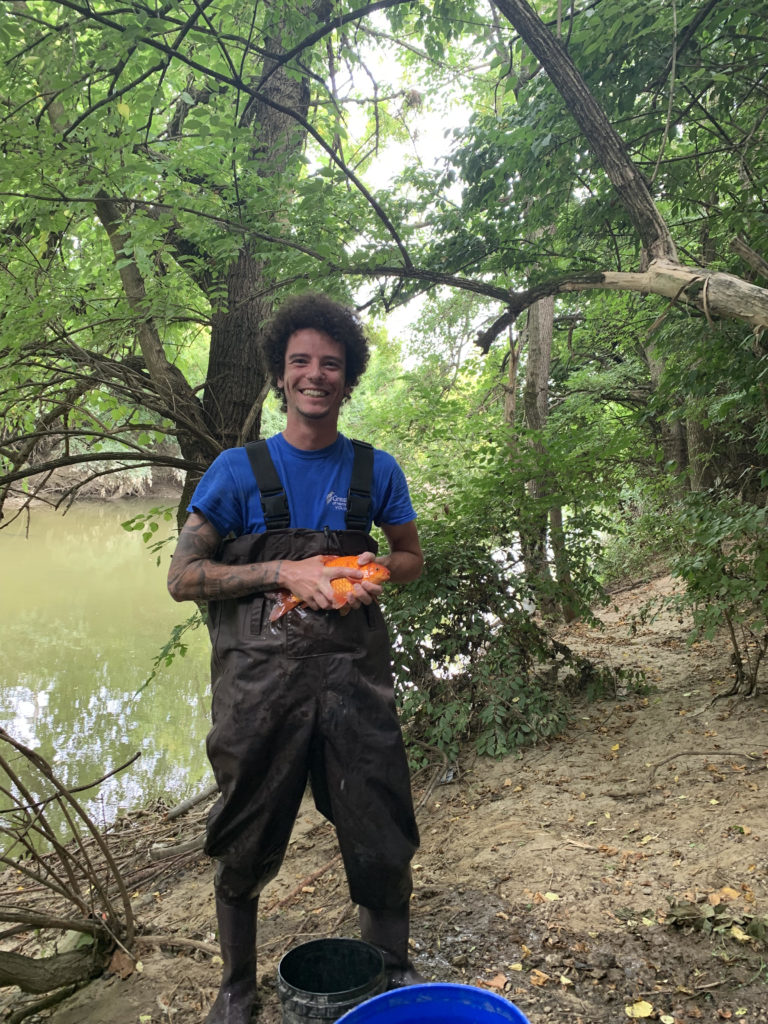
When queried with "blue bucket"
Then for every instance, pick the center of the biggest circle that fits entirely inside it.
(437, 1003)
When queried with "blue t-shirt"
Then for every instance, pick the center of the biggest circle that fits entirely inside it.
(316, 485)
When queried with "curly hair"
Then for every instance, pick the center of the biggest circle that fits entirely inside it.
(317, 311)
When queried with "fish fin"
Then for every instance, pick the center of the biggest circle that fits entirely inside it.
(284, 602)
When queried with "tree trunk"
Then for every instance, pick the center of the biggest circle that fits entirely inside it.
(673, 439)
(510, 391)
(535, 537)
(536, 394)
(562, 564)
(236, 381)
(236, 378)
(533, 533)
(699, 449)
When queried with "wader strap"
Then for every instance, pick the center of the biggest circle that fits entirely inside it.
(359, 494)
(274, 502)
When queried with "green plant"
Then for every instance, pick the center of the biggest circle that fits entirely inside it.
(472, 665)
(636, 540)
(149, 524)
(174, 646)
(722, 557)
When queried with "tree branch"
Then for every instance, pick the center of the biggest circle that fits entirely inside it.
(259, 95)
(142, 458)
(603, 139)
(748, 254)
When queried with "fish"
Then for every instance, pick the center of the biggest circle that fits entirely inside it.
(341, 586)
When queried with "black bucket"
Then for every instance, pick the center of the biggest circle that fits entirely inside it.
(322, 979)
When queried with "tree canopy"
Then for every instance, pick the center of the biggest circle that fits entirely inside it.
(172, 171)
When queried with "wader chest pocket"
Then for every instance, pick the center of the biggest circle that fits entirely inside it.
(318, 634)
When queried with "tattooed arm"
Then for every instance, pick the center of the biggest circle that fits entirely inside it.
(195, 576)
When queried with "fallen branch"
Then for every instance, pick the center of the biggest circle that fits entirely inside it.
(43, 1004)
(436, 776)
(700, 753)
(33, 919)
(162, 851)
(193, 801)
(305, 882)
(177, 942)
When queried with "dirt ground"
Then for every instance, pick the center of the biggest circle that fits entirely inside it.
(618, 872)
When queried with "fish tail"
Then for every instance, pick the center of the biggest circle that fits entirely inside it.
(284, 603)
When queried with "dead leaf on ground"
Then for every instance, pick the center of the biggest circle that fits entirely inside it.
(610, 851)
(724, 894)
(121, 965)
(640, 1010)
(499, 982)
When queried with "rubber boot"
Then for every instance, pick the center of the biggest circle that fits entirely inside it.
(388, 930)
(237, 939)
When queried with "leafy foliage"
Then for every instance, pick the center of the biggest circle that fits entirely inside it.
(149, 525)
(471, 662)
(722, 558)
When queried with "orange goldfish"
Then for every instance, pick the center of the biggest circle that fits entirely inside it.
(341, 586)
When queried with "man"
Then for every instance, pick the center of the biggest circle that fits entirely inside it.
(311, 695)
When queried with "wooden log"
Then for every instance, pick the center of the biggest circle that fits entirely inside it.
(44, 974)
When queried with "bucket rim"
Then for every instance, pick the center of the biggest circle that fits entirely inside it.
(429, 992)
(332, 940)
(291, 993)
(304, 947)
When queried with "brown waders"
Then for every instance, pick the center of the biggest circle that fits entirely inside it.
(309, 697)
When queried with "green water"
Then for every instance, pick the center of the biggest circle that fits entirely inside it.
(83, 612)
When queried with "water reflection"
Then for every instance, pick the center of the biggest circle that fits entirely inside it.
(83, 613)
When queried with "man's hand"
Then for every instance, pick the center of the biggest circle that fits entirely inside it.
(310, 579)
(364, 592)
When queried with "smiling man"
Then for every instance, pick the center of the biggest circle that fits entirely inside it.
(309, 697)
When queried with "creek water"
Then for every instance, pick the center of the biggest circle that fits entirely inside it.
(84, 611)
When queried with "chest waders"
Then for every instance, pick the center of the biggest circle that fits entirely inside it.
(309, 697)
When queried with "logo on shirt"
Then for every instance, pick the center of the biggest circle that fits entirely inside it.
(338, 502)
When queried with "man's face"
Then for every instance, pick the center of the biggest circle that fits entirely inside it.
(313, 377)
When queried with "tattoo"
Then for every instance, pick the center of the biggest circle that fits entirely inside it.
(195, 575)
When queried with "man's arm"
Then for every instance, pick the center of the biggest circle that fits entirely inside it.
(194, 575)
(405, 559)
